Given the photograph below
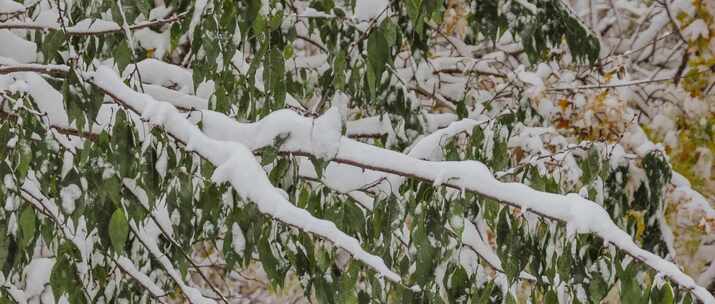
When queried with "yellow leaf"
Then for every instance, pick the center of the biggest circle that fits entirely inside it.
(640, 222)
(564, 103)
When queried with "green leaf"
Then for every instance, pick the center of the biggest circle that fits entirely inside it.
(269, 261)
(339, 70)
(279, 171)
(27, 226)
(597, 289)
(319, 165)
(277, 79)
(4, 245)
(631, 289)
(268, 155)
(551, 297)
(118, 230)
(51, 44)
(122, 55)
(24, 163)
(665, 296)
(378, 53)
(144, 7)
(347, 291)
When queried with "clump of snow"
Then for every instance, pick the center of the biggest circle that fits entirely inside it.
(369, 9)
(37, 276)
(94, 25)
(536, 83)
(199, 7)
(326, 133)
(16, 48)
(10, 7)
(697, 29)
(151, 40)
(129, 267)
(157, 72)
(311, 12)
(69, 195)
(160, 12)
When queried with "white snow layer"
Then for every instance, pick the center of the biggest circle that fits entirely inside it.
(369, 9)
(10, 7)
(16, 48)
(129, 267)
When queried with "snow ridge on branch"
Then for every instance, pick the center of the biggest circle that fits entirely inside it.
(235, 164)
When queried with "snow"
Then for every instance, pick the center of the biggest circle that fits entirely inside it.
(580, 215)
(69, 195)
(369, 9)
(325, 134)
(374, 126)
(311, 12)
(199, 7)
(657, 23)
(529, 6)
(533, 79)
(160, 12)
(151, 40)
(128, 266)
(16, 48)
(192, 294)
(176, 98)
(10, 7)
(164, 74)
(475, 240)
(697, 29)
(48, 18)
(318, 62)
(94, 25)
(37, 276)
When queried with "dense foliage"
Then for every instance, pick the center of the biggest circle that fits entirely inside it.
(158, 151)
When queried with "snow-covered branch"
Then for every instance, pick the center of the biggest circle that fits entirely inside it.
(89, 27)
(235, 164)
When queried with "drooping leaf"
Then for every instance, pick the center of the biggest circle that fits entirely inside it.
(118, 230)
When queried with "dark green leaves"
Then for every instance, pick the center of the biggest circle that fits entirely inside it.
(118, 230)
(597, 288)
(4, 246)
(662, 295)
(51, 44)
(274, 77)
(122, 142)
(339, 70)
(122, 55)
(631, 289)
(378, 54)
(63, 279)
(269, 261)
(552, 22)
